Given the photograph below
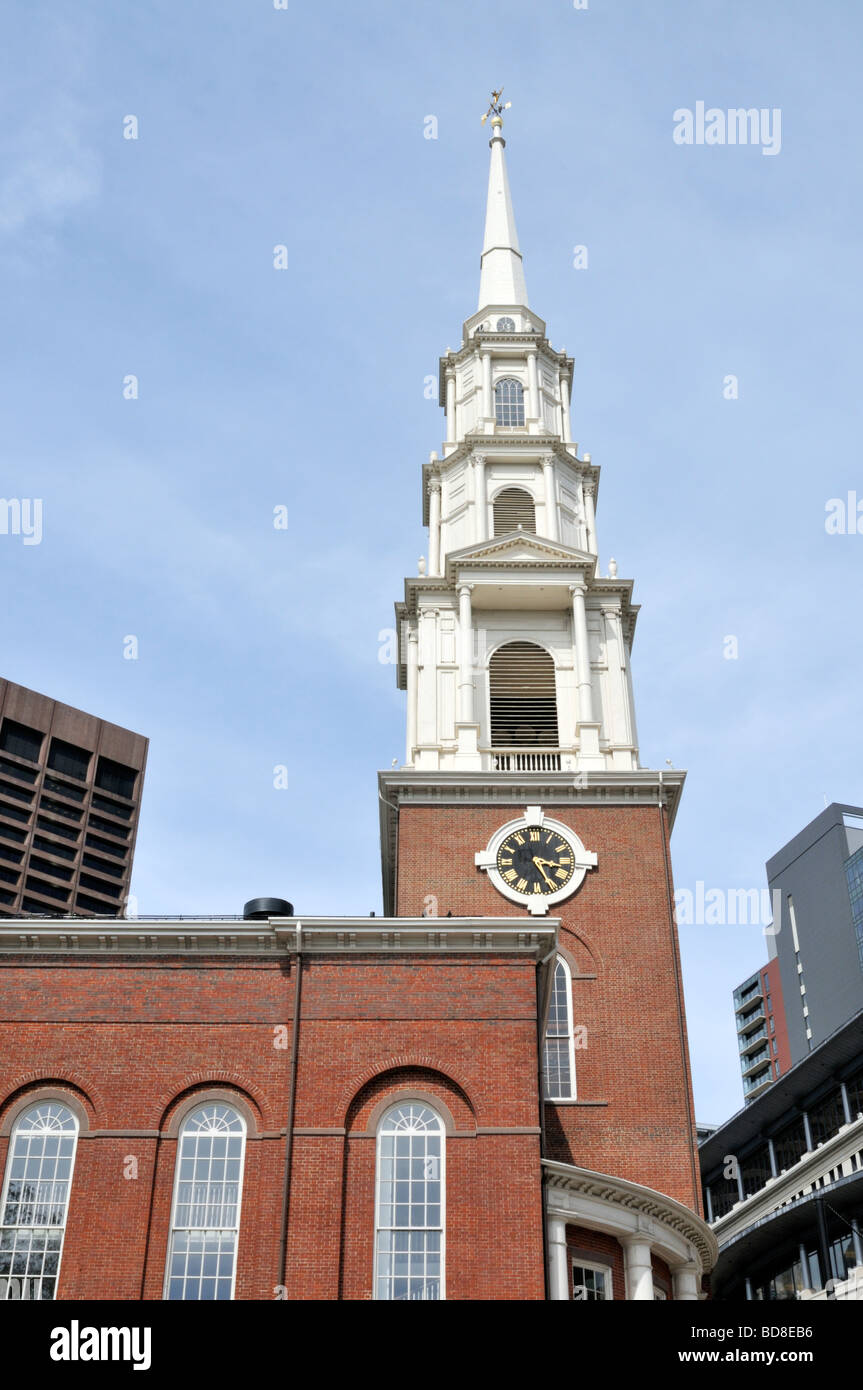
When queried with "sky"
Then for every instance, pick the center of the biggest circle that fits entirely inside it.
(304, 388)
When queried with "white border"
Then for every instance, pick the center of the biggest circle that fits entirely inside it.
(536, 903)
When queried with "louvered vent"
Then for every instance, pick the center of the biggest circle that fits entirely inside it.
(523, 704)
(513, 508)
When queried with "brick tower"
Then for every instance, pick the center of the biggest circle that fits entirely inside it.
(522, 792)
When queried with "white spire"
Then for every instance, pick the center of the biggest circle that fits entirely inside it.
(501, 277)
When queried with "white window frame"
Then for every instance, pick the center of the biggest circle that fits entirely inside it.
(42, 1104)
(570, 1034)
(381, 1131)
(577, 1262)
(206, 1104)
(510, 405)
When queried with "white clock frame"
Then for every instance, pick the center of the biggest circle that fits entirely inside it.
(536, 903)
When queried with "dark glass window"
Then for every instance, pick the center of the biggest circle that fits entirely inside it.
(23, 774)
(18, 739)
(42, 866)
(64, 789)
(854, 1087)
(17, 792)
(69, 759)
(826, 1117)
(97, 823)
(68, 832)
(790, 1144)
(61, 851)
(13, 855)
(116, 870)
(109, 889)
(8, 875)
(113, 808)
(114, 777)
(105, 846)
(38, 885)
(755, 1170)
(91, 905)
(58, 809)
(19, 836)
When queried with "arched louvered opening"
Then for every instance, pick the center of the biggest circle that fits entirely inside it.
(509, 402)
(514, 508)
(523, 702)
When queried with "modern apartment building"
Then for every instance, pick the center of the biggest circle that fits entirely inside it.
(813, 982)
(70, 791)
(762, 1037)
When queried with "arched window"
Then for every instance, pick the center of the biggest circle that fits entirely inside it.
(505, 325)
(205, 1222)
(558, 1062)
(409, 1207)
(36, 1199)
(509, 402)
(514, 508)
(523, 700)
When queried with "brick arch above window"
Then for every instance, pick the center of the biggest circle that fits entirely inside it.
(37, 1092)
(428, 1084)
(179, 1109)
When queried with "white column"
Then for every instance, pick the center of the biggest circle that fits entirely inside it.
(590, 515)
(684, 1282)
(413, 661)
(434, 525)
(465, 660)
(564, 410)
(450, 406)
(551, 514)
(582, 655)
(532, 387)
(639, 1270)
(487, 400)
(558, 1272)
(481, 497)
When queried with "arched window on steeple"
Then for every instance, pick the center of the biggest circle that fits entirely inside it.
(509, 402)
(514, 508)
(523, 698)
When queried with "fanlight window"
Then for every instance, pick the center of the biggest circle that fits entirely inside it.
(522, 697)
(514, 508)
(205, 1224)
(509, 402)
(558, 1062)
(36, 1201)
(409, 1256)
(505, 325)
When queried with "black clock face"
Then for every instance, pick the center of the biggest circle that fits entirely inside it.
(535, 860)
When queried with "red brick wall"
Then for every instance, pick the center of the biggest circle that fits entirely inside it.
(772, 985)
(134, 1040)
(634, 1116)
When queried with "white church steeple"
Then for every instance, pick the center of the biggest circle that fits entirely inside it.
(513, 649)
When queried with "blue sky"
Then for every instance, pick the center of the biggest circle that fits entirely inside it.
(304, 388)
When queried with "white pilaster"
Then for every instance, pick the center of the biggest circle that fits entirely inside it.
(582, 654)
(558, 1271)
(590, 514)
(550, 493)
(481, 497)
(638, 1268)
(434, 526)
(450, 406)
(412, 698)
(532, 389)
(565, 424)
(487, 400)
(465, 659)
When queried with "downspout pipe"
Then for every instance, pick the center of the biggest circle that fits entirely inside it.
(282, 1278)
(542, 1007)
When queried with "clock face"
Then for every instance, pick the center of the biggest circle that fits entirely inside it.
(535, 859)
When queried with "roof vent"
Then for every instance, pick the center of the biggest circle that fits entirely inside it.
(259, 909)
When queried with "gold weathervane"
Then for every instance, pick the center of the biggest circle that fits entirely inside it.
(496, 109)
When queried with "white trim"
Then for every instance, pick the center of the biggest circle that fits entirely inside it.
(536, 903)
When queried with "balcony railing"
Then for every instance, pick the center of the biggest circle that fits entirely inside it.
(750, 1039)
(525, 760)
